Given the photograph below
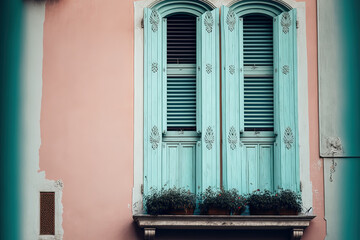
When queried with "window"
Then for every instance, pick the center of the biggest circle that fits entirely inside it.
(259, 97)
(181, 96)
(182, 93)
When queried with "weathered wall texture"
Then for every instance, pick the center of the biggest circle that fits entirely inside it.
(87, 116)
(317, 229)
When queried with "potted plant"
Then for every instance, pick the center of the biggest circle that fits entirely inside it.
(263, 203)
(177, 201)
(289, 202)
(239, 205)
(221, 202)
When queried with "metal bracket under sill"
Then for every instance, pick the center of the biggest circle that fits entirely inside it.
(295, 223)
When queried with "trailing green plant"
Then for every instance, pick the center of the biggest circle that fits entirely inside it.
(222, 199)
(167, 199)
(289, 200)
(263, 200)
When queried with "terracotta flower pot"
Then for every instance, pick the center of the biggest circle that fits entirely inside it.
(285, 211)
(218, 211)
(239, 211)
(185, 211)
(263, 212)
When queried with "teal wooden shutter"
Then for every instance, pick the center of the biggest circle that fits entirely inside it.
(208, 67)
(286, 161)
(154, 72)
(232, 95)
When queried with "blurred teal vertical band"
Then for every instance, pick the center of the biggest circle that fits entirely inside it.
(350, 41)
(350, 28)
(10, 52)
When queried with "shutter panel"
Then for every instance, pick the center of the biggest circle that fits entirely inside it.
(286, 161)
(232, 95)
(208, 67)
(154, 72)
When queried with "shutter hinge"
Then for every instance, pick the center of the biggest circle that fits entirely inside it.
(142, 23)
(142, 189)
(297, 24)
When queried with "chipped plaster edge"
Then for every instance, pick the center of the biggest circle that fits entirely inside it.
(32, 181)
(303, 101)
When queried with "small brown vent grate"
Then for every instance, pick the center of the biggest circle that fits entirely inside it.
(47, 213)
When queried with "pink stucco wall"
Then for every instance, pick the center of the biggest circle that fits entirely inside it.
(87, 116)
(317, 229)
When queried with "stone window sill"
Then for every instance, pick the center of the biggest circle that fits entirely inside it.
(296, 224)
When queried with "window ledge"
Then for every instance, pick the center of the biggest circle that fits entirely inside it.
(296, 224)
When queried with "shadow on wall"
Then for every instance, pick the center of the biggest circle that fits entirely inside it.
(139, 233)
(220, 234)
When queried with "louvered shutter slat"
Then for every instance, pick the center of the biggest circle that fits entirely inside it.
(258, 91)
(258, 41)
(181, 39)
(181, 103)
(181, 86)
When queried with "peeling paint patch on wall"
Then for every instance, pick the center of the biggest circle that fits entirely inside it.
(33, 182)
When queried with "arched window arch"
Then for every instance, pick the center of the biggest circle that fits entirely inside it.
(270, 8)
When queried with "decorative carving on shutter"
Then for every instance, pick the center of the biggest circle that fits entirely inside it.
(208, 22)
(209, 100)
(286, 148)
(154, 20)
(154, 137)
(232, 138)
(286, 22)
(208, 68)
(285, 69)
(288, 137)
(209, 138)
(232, 69)
(232, 90)
(154, 67)
(231, 20)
